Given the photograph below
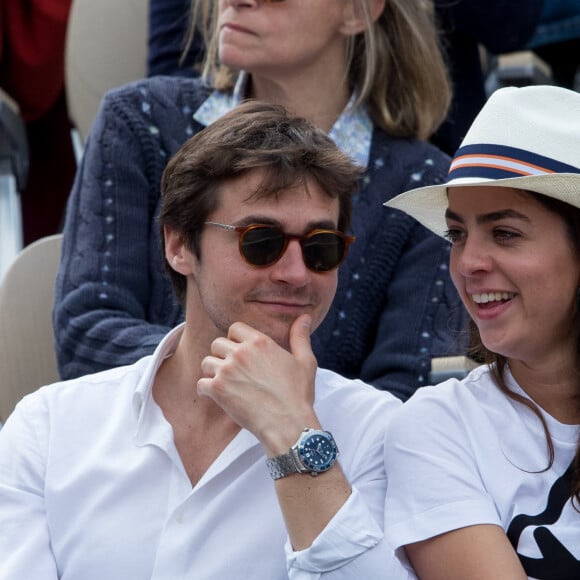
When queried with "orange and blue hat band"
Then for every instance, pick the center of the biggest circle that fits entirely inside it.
(501, 162)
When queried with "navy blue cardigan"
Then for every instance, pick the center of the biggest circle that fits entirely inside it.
(395, 306)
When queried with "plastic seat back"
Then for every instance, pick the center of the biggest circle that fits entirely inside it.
(27, 353)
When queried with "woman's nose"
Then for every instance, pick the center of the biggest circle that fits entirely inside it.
(471, 257)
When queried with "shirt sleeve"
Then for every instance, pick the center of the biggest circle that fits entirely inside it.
(434, 484)
(25, 550)
(352, 545)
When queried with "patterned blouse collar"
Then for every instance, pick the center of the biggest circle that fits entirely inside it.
(352, 131)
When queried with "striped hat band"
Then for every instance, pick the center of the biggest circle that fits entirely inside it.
(502, 162)
(524, 138)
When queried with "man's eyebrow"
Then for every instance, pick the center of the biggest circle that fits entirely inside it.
(312, 225)
(322, 225)
(490, 217)
(257, 219)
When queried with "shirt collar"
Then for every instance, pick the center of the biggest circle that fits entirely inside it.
(154, 429)
(164, 350)
(220, 102)
(352, 131)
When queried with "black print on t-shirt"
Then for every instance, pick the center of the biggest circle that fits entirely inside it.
(556, 563)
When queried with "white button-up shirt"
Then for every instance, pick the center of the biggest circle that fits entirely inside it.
(92, 488)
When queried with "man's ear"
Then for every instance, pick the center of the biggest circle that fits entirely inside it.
(176, 252)
(354, 18)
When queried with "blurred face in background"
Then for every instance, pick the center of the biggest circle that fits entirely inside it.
(283, 37)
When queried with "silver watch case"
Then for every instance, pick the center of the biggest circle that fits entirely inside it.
(315, 452)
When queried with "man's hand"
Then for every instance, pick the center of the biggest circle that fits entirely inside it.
(270, 391)
(260, 385)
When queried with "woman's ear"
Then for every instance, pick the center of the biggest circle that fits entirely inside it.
(354, 17)
(176, 252)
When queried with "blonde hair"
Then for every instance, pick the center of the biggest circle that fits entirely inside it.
(396, 65)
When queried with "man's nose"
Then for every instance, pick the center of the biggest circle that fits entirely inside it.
(290, 268)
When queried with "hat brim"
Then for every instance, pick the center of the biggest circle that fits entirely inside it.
(428, 204)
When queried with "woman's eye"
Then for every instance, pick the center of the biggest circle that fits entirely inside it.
(505, 235)
(453, 235)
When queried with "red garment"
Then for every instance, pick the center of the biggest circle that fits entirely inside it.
(32, 41)
(32, 46)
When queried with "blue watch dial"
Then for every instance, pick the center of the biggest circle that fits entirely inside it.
(318, 451)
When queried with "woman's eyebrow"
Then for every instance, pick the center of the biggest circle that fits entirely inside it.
(451, 215)
(502, 214)
(489, 217)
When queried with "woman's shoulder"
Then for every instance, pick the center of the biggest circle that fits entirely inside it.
(409, 151)
(164, 92)
(159, 110)
(451, 400)
(409, 163)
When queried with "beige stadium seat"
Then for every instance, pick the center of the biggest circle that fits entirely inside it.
(106, 46)
(27, 355)
(450, 367)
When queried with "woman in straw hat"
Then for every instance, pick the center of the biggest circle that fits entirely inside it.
(484, 473)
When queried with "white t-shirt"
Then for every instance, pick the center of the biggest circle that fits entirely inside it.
(463, 453)
(92, 488)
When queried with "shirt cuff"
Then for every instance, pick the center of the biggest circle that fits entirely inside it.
(351, 532)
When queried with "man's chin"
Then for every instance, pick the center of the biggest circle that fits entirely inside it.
(278, 330)
(278, 327)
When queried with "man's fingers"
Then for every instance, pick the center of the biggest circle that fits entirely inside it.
(209, 366)
(221, 347)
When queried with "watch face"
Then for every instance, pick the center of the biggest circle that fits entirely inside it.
(318, 451)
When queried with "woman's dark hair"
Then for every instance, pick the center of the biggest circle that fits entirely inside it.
(571, 218)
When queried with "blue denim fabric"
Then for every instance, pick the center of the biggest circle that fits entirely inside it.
(559, 21)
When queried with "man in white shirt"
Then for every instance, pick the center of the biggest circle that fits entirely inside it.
(216, 457)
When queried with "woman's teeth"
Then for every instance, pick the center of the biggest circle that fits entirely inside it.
(491, 297)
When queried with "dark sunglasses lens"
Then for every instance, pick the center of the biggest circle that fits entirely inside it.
(262, 246)
(323, 251)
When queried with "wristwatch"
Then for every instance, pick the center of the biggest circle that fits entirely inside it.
(314, 452)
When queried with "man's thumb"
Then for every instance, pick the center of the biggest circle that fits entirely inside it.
(300, 336)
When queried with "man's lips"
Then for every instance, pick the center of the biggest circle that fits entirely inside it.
(283, 304)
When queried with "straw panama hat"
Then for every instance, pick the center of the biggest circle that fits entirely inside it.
(526, 138)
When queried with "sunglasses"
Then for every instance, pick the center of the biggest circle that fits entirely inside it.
(262, 245)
